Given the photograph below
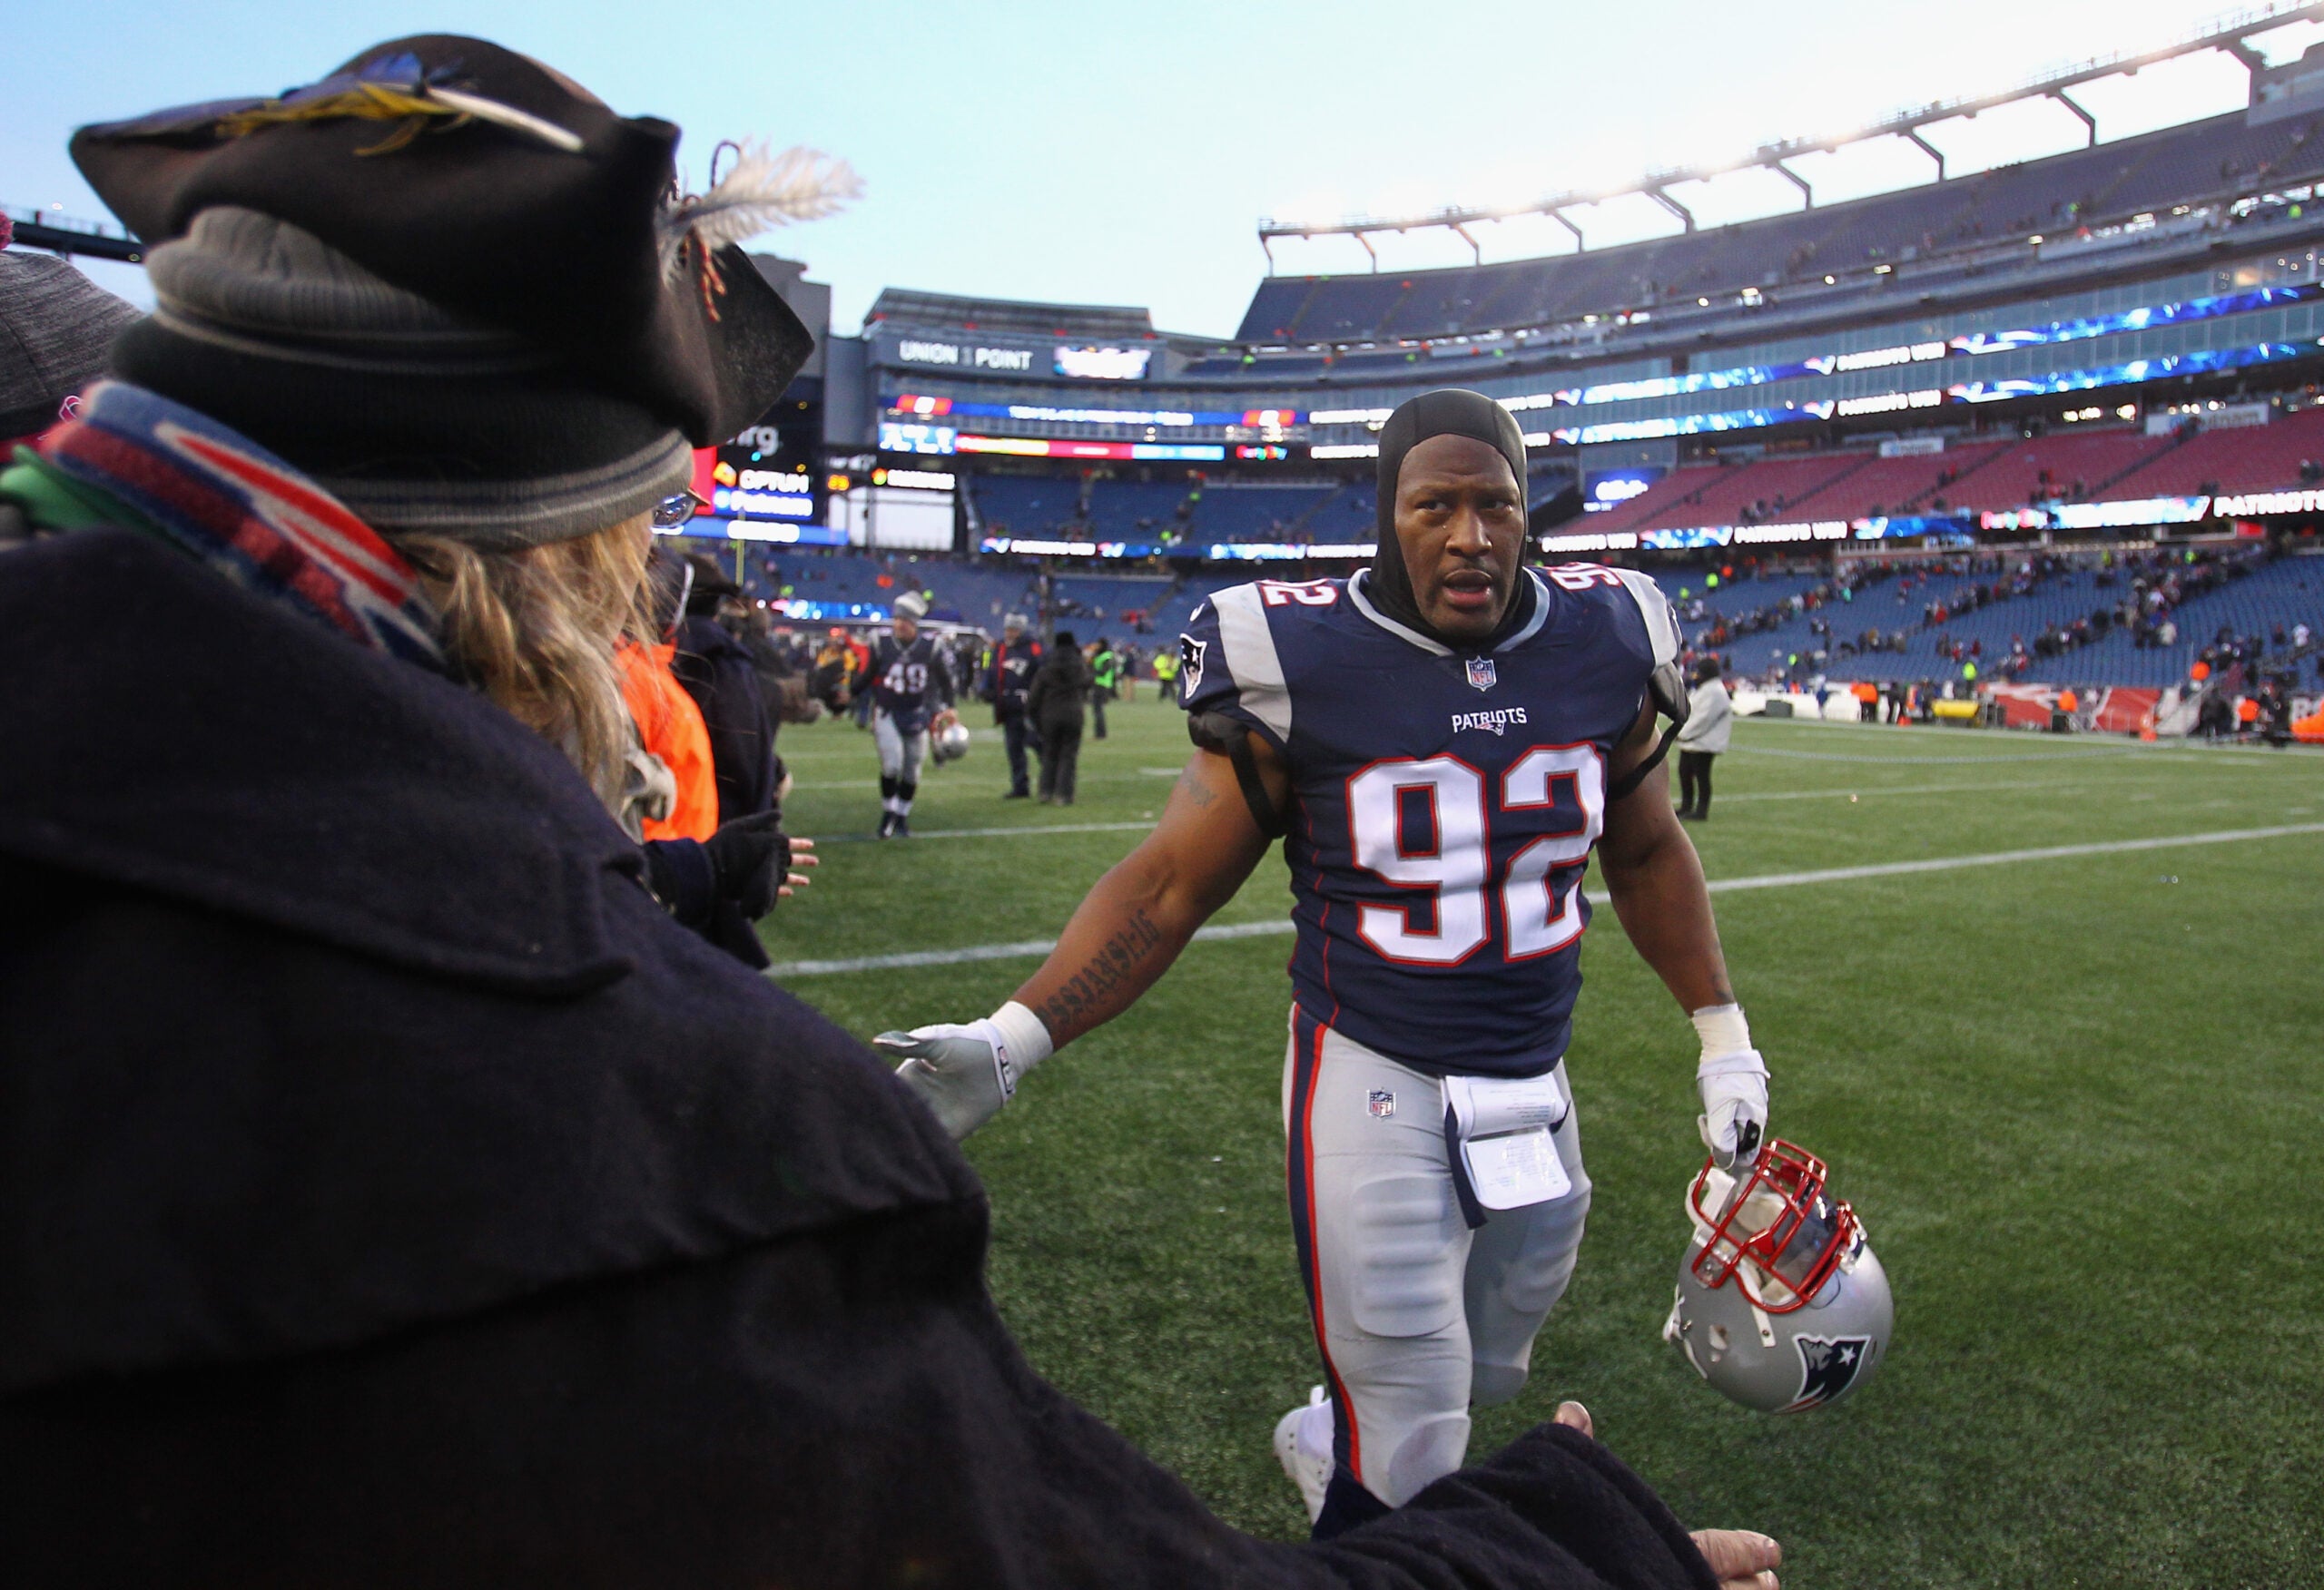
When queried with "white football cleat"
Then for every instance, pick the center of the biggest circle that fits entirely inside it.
(1296, 1448)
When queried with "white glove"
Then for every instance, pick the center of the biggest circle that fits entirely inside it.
(1734, 1083)
(966, 1072)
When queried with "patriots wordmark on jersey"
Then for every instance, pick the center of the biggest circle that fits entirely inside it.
(909, 681)
(1443, 803)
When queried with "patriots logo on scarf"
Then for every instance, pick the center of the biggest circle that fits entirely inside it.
(1482, 674)
(254, 518)
(1828, 1367)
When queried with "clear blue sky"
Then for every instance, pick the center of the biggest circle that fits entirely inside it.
(1099, 154)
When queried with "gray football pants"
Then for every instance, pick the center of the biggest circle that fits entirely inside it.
(899, 753)
(1416, 1315)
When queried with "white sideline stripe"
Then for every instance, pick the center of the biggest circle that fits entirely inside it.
(1139, 828)
(985, 952)
(1042, 946)
(2000, 858)
(987, 833)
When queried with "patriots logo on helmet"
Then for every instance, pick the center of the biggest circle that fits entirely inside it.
(1828, 1367)
(1190, 655)
(1482, 673)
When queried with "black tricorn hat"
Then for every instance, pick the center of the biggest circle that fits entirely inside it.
(559, 239)
(488, 185)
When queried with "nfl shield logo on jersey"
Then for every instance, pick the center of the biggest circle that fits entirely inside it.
(1481, 673)
(1383, 1103)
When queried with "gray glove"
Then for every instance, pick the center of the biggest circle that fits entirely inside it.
(966, 1072)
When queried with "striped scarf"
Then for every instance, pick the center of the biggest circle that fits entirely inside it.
(219, 497)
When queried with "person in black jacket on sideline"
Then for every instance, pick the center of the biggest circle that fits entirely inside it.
(1054, 705)
(395, 1195)
(720, 674)
(1014, 661)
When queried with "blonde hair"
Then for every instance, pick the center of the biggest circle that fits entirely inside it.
(535, 630)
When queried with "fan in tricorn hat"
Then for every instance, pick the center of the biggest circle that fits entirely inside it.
(393, 1193)
(434, 337)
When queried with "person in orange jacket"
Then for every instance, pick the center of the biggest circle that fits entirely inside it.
(669, 726)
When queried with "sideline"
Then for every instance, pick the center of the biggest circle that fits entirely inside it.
(2184, 747)
(1040, 947)
(987, 833)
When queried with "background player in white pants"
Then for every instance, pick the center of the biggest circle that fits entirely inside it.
(1444, 740)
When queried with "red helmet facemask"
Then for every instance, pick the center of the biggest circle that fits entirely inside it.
(1781, 1219)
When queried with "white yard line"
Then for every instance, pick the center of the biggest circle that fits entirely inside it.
(992, 833)
(1877, 789)
(1139, 828)
(1028, 948)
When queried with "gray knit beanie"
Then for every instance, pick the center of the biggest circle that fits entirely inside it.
(56, 324)
(418, 421)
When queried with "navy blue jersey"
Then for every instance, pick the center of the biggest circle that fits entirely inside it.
(1013, 663)
(1443, 803)
(910, 683)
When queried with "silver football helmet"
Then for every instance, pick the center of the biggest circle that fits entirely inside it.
(950, 743)
(1781, 1305)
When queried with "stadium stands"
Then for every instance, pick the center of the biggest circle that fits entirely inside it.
(1770, 490)
(1194, 512)
(2241, 602)
(2258, 459)
(2099, 465)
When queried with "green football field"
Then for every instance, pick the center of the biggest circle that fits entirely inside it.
(2071, 1096)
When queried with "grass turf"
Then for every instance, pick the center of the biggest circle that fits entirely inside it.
(2068, 1096)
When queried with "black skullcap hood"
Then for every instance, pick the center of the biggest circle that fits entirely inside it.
(1449, 411)
(486, 188)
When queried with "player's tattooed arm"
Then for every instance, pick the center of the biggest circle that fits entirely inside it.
(1656, 881)
(1093, 988)
(1139, 915)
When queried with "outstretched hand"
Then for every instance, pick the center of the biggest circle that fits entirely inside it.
(956, 1068)
(802, 854)
(752, 862)
(1742, 1559)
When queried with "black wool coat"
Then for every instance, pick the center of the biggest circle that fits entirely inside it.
(719, 673)
(1061, 686)
(392, 1195)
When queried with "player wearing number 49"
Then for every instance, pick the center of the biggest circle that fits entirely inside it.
(1441, 739)
(911, 691)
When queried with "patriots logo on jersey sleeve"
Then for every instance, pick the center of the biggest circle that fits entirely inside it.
(1828, 1367)
(1190, 655)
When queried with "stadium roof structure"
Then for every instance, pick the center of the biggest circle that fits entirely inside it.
(68, 235)
(968, 313)
(2229, 34)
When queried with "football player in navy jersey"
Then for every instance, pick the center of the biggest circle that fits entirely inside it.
(1442, 740)
(911, 692)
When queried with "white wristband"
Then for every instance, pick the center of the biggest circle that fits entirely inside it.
(1723, 1032)
(1028, 1039)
